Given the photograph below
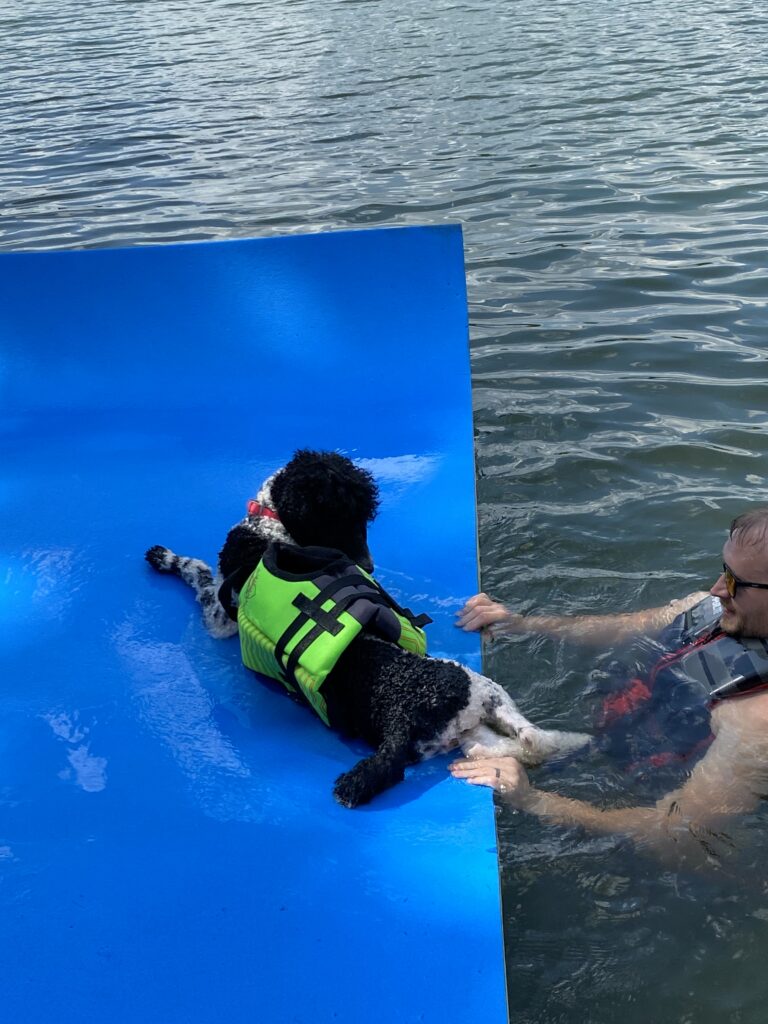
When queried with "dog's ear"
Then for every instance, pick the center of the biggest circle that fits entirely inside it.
(243, 549)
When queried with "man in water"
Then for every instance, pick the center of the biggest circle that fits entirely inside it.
(732, 778)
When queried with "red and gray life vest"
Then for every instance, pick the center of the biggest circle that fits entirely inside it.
(661, 717)
(696, 651)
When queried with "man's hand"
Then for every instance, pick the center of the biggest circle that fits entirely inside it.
(480, 612)
(504, 774)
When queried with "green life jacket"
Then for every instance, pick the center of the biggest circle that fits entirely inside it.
(302, 607)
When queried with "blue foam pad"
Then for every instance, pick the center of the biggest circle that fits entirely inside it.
(170, 849)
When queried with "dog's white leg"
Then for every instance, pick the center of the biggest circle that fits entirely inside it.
(496, 706)
(505, 717)
(541, 744)
(484, 742)
(198, 575)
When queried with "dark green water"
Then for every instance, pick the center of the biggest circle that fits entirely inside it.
(608, 161)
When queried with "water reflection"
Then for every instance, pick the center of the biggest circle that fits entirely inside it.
(612, 931)
(86, 769)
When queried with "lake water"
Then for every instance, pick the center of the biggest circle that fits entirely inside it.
(608, 163)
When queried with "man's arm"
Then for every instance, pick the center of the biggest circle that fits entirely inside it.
(688, 820)
(481, 613)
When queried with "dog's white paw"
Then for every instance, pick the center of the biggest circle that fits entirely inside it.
(160, 558)
(504, 746)
(539, 745)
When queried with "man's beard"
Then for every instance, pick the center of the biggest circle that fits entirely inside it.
(730, 622)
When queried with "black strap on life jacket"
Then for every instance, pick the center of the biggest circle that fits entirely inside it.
(419, 621)
(311, 609)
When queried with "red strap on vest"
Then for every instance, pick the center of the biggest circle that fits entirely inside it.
(638, 690)
(624, 702)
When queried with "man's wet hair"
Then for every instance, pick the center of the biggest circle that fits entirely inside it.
(751, 527)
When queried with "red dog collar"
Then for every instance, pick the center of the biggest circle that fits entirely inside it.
(256, 509)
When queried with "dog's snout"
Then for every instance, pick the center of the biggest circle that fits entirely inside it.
(360, 554)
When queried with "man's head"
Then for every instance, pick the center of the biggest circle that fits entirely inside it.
(745, 557)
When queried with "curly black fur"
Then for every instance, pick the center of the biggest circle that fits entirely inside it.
(243, 547)
(405, 701)
(405, 706)
(323, 494)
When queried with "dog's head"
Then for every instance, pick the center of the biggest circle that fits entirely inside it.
(324, 499)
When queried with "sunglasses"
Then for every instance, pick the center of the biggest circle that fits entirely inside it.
(732, 582)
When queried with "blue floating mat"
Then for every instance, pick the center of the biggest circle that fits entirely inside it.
(170, 850)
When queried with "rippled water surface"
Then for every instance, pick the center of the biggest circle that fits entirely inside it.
(608, 163)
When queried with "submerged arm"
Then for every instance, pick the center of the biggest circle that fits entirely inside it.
(481, 613)
(720, 787)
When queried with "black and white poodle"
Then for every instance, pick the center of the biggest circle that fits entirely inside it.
(406, 707)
